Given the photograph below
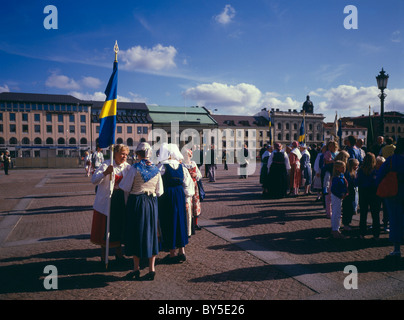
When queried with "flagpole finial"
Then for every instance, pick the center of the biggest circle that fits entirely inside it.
(116, 49)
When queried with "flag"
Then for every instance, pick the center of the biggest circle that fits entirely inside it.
(339, 132)
(108, 111)
(270, 133)
(301, 132)
(334, 130)
(370, 138)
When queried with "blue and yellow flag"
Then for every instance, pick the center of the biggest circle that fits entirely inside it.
(108, 111)
(301, 132)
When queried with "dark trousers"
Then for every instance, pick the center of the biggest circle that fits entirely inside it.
(368, 200)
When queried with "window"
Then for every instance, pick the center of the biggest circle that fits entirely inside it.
(83, 129)
(49, 141)
(71, 118)
(1, 117)
(60, 117)
(83, 118)
(37, 128)
(279, 126)
(48, 117)
(25, 128)
(72, 129)
(287, 126)
(119, 129)
(25, 141)
(128, 129)
(25, 117)
(61, 129)
(1, 128)
(97, 129)
(37, 141)
(139, 130)
(12, 116)
(37, 117)
(48, 129)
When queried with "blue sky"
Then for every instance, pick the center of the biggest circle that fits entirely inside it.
(233, 56)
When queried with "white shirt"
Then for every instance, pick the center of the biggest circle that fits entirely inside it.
(105, 185)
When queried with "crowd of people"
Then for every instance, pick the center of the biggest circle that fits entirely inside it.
(151, 207)
(345, 178)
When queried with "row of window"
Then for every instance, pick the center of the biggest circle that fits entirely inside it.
(140, 130)
(37, 117)
(295, 126)
(21, 107)
(393, 129)
(49, 128)
(60, 141)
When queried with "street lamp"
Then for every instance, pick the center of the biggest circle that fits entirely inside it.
(382, 79)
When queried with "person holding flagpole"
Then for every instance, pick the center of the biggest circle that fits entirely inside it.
(106, 139)
(104, 200)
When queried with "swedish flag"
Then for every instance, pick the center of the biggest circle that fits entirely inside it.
(108, 111)
(301, 132)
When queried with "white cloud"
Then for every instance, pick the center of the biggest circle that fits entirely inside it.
(4, 88)
(91, 82)
(155, 59)
(247, 99)
(227, 15)
(60, 81)
(56, 80)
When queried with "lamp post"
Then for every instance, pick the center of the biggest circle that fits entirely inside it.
(382, 79)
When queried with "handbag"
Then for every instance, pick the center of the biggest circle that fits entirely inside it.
(388, 187)
(201, 190)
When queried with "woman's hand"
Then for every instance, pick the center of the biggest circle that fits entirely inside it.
(109, 170)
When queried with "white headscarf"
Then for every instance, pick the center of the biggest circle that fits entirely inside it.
(169, 151)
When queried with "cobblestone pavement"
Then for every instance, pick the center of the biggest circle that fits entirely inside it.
(249, 248)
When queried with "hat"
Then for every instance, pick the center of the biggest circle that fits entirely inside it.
(144, 146)
(303, 145)
(295, 144)
(277, 146)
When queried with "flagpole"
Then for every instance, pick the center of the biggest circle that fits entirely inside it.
(304, 126)
(111, 184)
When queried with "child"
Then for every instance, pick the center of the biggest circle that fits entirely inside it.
(350, 202)
(367, 195)
(326, 172)
(339, 190)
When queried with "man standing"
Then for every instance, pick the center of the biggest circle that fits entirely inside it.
(212, 166)
(243, 162)
(6, 162)
(97, 159)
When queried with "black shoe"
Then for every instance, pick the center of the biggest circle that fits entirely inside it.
(197, 227)
(133, 275)
(149, 276)
(181, 258)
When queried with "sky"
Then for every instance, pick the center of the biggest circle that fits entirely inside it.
(233, 57)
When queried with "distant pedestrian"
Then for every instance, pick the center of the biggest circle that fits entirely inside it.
(243, 162)
(211, 165)
(87, 163)
(6, 162)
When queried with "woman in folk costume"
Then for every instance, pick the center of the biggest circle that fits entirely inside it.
(143, 183)
(101, 177)
(193, 204)
(295, 173)
(306, 168)
(277, 179)
(178, 184)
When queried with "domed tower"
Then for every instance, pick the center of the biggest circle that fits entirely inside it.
(308, 105)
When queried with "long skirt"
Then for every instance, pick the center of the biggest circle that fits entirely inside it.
(141, 235)
(116, 224)
(277, 181)
(172, 218)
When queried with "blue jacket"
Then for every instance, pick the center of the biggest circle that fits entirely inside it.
(339, 186)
